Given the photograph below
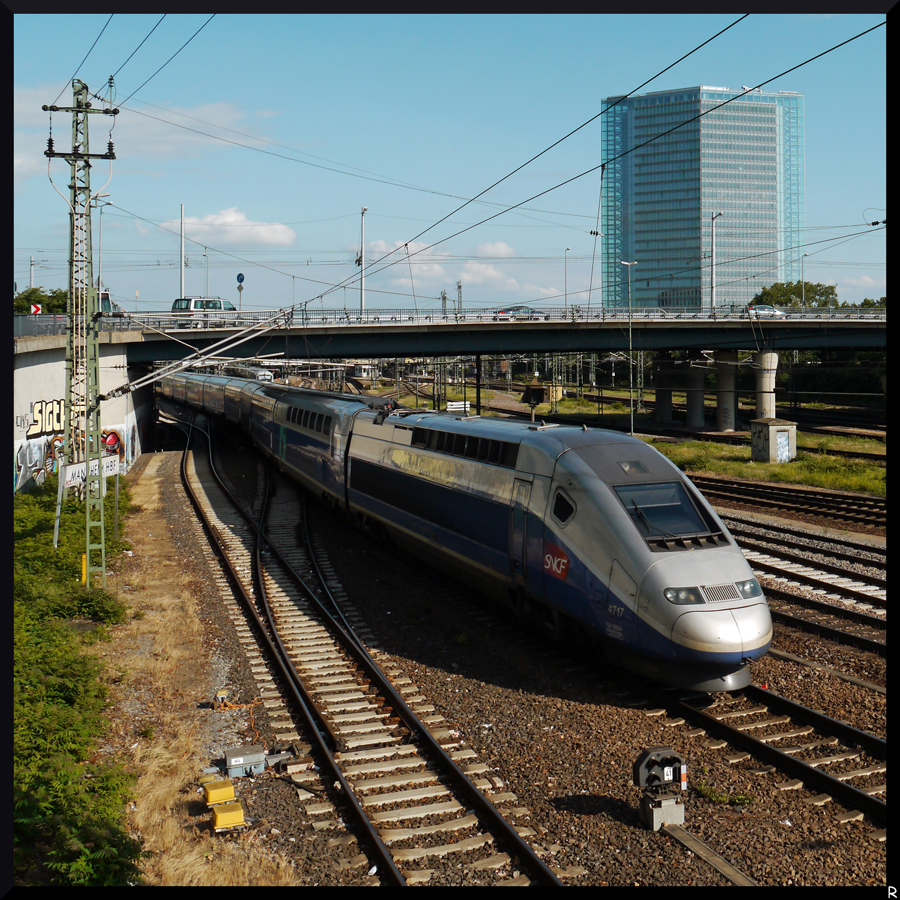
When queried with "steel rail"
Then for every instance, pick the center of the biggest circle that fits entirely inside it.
(740, 527)
(291, 678)
(820, 583)
(851, 797)
(871, 511)
(856, 737)
(495, 819)
(852, 615)
(760, 544)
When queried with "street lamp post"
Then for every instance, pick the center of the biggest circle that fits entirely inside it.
(362, 262)
(712, 271)
(99, 205)
(802, 273)
(207, 272)
(630, 366)
(566, 276)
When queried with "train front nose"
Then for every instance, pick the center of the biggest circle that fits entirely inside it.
(730, 635)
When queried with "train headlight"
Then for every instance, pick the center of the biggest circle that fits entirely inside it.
(749, 588)
(684, 595)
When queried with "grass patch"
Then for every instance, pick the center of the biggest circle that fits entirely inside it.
(848, 444)
(836, 473)
(716, 796)
(68, 826)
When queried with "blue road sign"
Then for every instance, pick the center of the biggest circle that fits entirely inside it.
(240, 278)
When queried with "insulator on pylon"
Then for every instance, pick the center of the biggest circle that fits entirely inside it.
(49, 146)
(109, 150)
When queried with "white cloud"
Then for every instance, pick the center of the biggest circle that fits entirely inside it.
(380, 248)
(483, 273)
(499, 249)
(426, 273)
(231, 227)
(866, 282)
(163, 133)
(147, 132)
(537, 290)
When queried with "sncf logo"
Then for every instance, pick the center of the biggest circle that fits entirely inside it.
(556, 563)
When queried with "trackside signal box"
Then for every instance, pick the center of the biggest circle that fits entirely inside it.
(658, 770)
(218, 792)
(227, 816)
(773, 440)
(247, 760)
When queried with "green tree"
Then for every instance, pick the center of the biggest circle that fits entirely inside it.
(56, 301)
(793, 293)
(869, 303)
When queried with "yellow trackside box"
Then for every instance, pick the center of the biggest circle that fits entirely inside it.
(219, 792)
(227, 815)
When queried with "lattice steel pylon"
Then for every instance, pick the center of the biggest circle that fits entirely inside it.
(555, 383)
(82, 438)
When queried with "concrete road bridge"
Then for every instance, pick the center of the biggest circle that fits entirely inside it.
(131, 342)
(304, 333)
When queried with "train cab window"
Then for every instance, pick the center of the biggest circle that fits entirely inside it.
(661, 509)
(563, 508)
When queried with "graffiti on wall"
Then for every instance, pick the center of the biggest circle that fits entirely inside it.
(39, 455)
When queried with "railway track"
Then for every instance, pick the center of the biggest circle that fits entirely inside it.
(395, 770)
(845, 626)
(837, 506)
(700, 753)
(829, 579)
(817, 590)
(826, 756)
(739, 440)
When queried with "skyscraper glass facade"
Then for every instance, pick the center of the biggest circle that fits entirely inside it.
(734, 175)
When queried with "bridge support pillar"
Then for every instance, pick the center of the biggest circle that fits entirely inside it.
(767, 364)
(726, 405)
(477, 384)
(694, 377)
(663, 376)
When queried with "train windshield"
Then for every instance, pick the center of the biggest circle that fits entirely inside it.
(661, 510)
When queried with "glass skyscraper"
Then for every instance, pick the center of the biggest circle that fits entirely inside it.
(737, 171)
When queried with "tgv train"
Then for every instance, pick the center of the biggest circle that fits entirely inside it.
(593, 534)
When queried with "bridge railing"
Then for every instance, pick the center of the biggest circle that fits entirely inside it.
(27, 325)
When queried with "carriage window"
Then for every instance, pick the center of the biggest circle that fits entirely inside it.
(563, 508)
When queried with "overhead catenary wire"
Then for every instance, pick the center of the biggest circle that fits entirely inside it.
(244, 259)
(575, 130)
(372, 177)
(86, 55)
(170, 58)
(141, 44)
(517, 206)
(624, 153)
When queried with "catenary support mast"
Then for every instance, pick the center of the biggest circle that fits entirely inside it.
(82, 403)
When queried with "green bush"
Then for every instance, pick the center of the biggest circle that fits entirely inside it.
(68, 812)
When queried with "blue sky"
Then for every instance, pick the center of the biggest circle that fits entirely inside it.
(408, 116)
